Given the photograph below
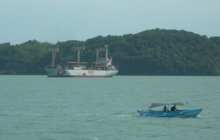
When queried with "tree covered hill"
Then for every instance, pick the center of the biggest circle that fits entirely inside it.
(151, 52)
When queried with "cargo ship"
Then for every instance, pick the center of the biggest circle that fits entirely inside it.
(102, 67)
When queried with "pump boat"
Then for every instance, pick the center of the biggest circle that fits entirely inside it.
(168, 113)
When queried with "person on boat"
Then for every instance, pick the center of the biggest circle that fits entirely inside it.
(174, 108)
(165, 108)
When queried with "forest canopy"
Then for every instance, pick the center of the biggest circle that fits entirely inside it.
(151, 52)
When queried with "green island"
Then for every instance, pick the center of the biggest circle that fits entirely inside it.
(151, 52)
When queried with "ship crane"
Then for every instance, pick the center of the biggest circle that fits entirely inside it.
(53, 50)
(78, 63)
(78, 58)
(101, 49)
(101, 63)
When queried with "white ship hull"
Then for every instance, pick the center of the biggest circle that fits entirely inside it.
(56, 72)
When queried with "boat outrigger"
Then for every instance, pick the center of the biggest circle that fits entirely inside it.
(168, 113)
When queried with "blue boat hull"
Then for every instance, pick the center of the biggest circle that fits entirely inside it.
(179, 113)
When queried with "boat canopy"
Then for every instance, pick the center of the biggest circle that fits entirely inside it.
(163, 104)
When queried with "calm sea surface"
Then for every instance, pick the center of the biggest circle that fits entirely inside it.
(42, 108)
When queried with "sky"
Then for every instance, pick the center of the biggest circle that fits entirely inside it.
(63, 20)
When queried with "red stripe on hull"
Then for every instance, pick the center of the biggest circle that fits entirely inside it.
(76, 76)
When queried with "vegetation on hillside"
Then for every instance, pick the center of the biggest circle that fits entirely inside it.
(151, 52)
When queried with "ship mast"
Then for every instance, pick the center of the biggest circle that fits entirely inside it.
(53, 50)
(78, 58)
(100, 49)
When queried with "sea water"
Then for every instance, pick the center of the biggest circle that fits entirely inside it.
(42, 108)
